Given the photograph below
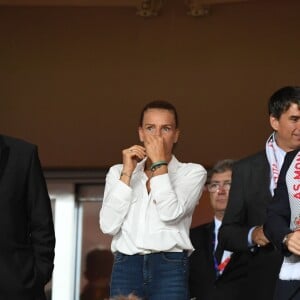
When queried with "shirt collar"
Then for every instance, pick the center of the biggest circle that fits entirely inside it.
(217, 224)
(280, 153)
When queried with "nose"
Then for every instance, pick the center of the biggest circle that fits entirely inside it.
(154, 132)
(159, 132)
(221, 189)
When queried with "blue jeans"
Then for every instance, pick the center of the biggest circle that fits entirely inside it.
(287, 289)
(155, 276)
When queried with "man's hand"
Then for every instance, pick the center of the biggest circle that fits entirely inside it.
(293, 242)
(258, 237)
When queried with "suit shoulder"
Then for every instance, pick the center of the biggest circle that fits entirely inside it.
(200, 228)
(16, 144)
(257, 157)
(199, 234)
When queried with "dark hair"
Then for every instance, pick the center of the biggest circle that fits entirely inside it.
(282, 99)
(160, 104)
(98, 263)
(220, 167)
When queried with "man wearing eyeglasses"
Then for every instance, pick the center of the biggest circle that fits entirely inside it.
(211, 269)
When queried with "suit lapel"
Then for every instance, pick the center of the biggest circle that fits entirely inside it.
(4, 153)
(210, 235)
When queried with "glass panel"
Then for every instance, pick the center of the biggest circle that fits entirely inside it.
(66, 220)
(96, 257)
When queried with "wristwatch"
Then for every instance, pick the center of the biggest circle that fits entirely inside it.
(285, 238)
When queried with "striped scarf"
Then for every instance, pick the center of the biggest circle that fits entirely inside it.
(273, 161)
(290, 269)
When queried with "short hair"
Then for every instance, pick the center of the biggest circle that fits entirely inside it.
(220, 167)
(282, 99)
(98, 263)
(160, 104)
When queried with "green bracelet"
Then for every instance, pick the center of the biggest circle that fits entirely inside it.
(158, 164)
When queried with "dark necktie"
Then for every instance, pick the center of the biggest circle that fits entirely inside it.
(218, 255)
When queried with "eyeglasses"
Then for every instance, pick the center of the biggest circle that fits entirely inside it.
(213, 187)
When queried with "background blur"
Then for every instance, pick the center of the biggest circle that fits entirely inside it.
(75, 74)
(74, 78)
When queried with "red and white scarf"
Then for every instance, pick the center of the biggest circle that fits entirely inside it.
(290, 269)
(275, 157)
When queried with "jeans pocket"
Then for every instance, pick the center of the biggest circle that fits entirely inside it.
(120, 257)
(176, 257)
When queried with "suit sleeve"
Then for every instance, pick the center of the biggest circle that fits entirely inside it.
(278, 211)
(41, 226)
(233, 234)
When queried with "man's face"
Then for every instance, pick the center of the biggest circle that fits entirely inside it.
(287, 128)
(219, 190)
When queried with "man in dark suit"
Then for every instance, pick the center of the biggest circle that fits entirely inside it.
(282, 227)
(210, 278)
(26, 226)
(253, 181)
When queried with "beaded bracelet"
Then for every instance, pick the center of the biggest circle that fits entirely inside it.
(158, 164)
(125, 174)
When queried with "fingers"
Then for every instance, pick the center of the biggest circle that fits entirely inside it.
(293, 242)
(155, 147)
(259, 237)
(136, 152)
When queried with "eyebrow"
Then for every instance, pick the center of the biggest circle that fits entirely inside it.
(217, 181)
(161, 125)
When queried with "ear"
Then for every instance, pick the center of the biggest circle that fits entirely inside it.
(274, 122)
(141, 134)
(176, 136)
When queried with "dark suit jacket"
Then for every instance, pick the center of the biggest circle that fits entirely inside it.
(248, 199)
(203, 281)
(26, 226)
(278, 212)
(278, 220)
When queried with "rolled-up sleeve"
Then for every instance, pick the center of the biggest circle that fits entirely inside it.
(177, 197)
(116, 203)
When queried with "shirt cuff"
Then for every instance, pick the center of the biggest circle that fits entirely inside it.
(250, 242)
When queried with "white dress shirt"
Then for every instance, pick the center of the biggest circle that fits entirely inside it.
(226, 253)
(158, 221)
